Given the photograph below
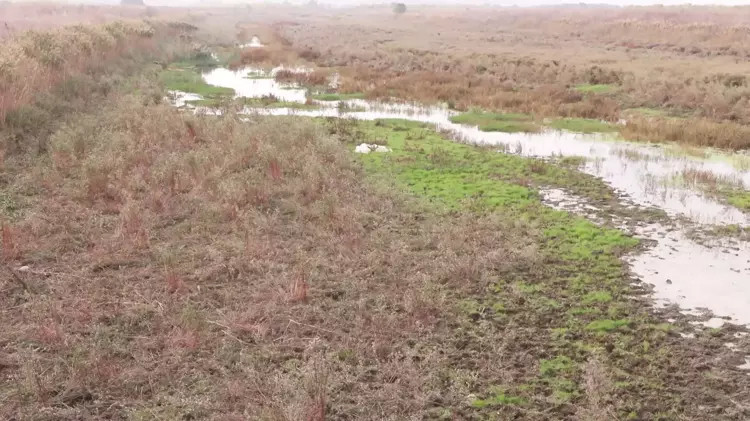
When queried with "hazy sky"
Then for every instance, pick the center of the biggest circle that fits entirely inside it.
(537, 2)
(463, 2)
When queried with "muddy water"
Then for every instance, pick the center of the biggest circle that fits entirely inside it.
(713, 277)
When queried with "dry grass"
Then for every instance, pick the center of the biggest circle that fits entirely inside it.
(535, 60)
(314, 78)
(35, 62)
(165, 247)
(16, 18)
(695, 131)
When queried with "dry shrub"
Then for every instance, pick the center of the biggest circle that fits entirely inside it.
(592, 106)
(308, 54)
(254, 55)
(314, 78)
(299, 289)
(37, 61)
(695, 131)
(598, 388)
(173, 281)
(638, 51)
(10, 243)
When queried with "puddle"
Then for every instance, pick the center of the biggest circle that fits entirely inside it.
(694, 276)
(255, 83)
(182, 99)
(254, 43)
(711, 275)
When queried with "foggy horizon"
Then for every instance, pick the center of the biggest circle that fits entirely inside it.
(346, 3)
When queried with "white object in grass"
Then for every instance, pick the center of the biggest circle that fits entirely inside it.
(367, 148)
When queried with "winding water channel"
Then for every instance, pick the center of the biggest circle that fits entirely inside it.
(712, 275)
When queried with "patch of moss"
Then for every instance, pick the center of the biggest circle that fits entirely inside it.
(499, 398)
(597, 297)
(606, 325)
(739, 199)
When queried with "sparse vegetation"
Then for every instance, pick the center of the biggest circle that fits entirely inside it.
(583, 125)
(338, 96)
(497, 122)
(188, 81)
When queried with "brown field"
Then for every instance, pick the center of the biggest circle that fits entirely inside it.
(686, 62)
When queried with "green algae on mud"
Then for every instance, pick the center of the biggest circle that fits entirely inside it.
(580, 295)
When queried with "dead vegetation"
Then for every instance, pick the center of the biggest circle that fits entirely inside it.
(160, 258)
(36, 62)
(313, 78)
(549, 62)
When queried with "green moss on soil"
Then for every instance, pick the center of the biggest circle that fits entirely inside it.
(580, 293)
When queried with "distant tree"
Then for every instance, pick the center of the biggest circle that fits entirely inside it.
(399, 8)
(132, 3)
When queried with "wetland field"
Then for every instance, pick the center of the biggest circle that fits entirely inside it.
(374, 213)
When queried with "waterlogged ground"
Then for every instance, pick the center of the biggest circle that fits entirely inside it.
(686, 187)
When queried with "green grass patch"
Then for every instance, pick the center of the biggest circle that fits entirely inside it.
(499, 398)
(497, 122)
(739, 199)
(597, 297)
(198, 61)
(338, 97)
(190, 81)
(583, 125)
(556, 366)
(606, 325)
(596, 88)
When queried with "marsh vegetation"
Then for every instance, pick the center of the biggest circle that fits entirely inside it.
(188, 233)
